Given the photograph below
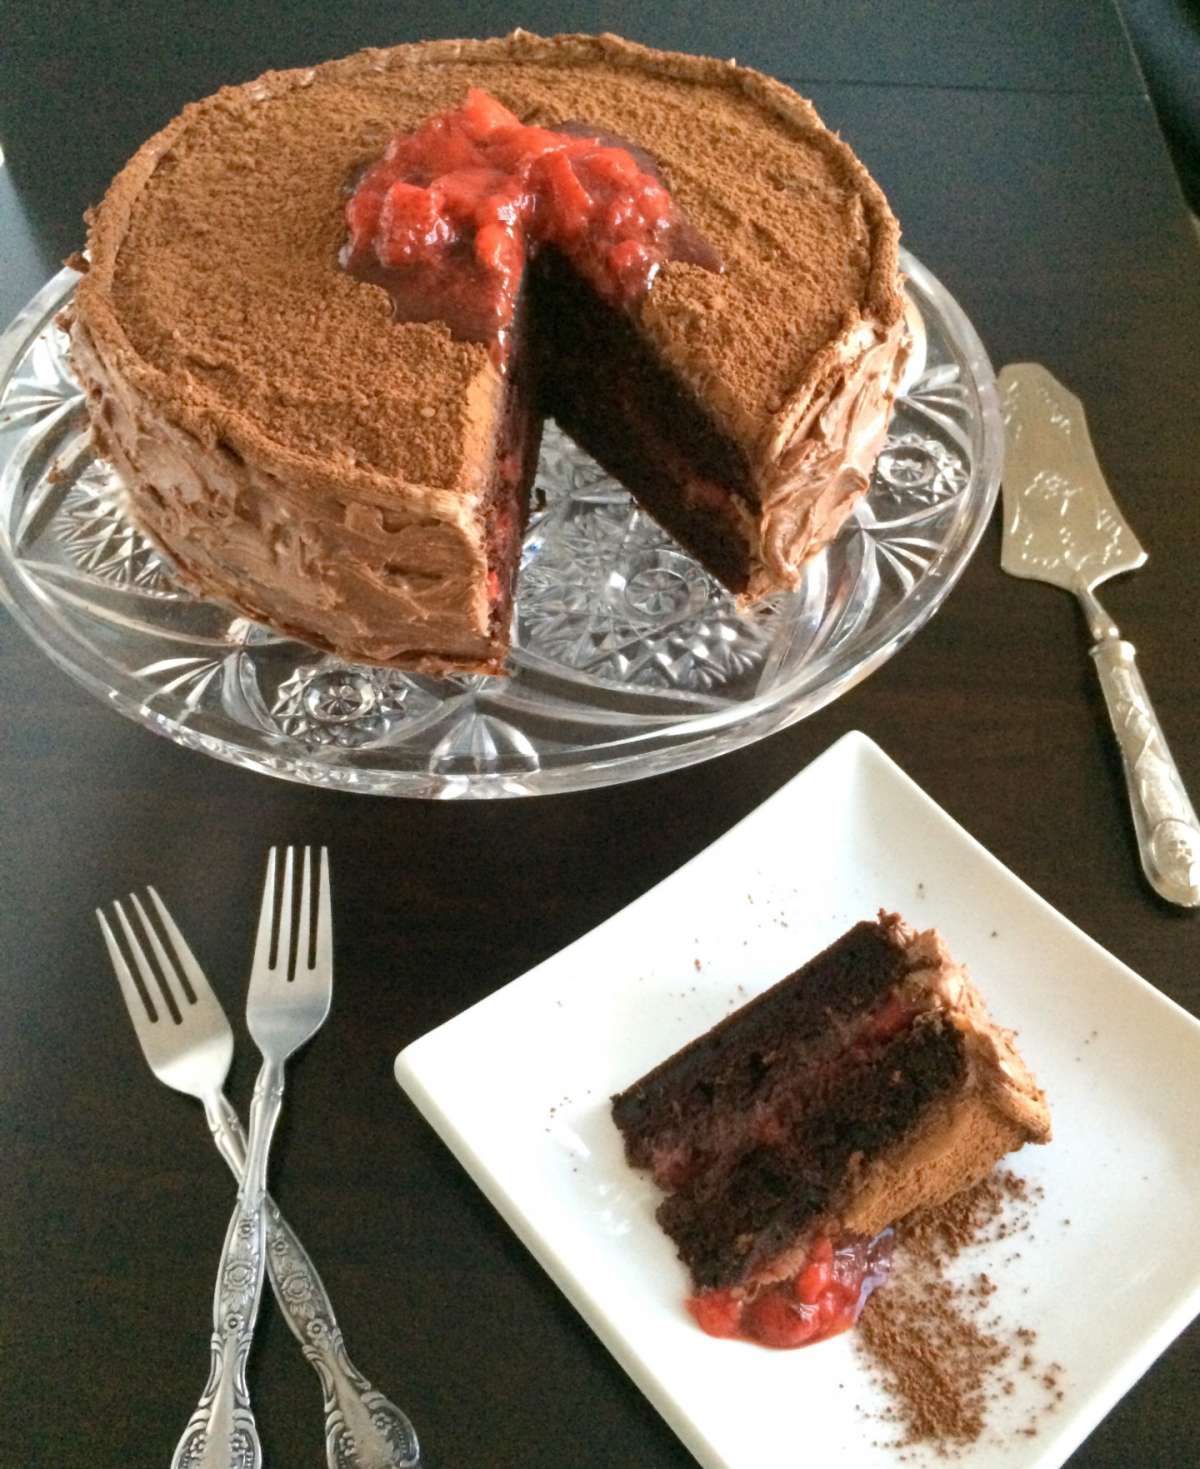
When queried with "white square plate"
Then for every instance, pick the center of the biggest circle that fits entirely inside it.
(519, 1085)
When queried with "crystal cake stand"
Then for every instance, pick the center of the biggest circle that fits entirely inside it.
(628, 658)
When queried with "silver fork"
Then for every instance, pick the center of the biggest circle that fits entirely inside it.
(187, 1041)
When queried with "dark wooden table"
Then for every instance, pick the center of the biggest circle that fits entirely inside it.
(1020, 151)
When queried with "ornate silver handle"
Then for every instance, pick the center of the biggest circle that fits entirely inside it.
(1167, 830)
(363, 1429)
(221, 1433)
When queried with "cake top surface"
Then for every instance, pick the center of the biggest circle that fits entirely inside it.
(215, 274)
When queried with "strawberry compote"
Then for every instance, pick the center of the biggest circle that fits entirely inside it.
(446, 219)
(824, 1297)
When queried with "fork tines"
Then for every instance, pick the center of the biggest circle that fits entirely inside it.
(175, 981)
(293, 939)
(178, 1020)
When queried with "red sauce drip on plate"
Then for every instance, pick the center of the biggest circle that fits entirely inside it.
(446, 219)
(824, 1298)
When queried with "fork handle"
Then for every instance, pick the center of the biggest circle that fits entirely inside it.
(221, 1433)
(363, 1429)
(227, 1132)
(1167, 830)
(265, 1107)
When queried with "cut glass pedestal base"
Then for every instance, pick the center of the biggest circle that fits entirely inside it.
(628, 658)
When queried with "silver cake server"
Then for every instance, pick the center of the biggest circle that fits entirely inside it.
(1061, 525)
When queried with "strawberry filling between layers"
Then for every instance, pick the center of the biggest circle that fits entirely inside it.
(827, 1293)
(676, 1160)
(447, 218)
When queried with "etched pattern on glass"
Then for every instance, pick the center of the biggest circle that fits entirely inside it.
(43, 385)
(606, 592)
(627, 656)
(97, 536)
(344, 704)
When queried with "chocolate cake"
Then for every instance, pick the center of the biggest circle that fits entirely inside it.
(310, 437)
(869, 1083)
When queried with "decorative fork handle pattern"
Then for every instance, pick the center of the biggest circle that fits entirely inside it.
(221, 1433)
(363, 1429)
(1168, 832)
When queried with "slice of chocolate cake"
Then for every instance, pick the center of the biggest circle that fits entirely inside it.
(869, 1083)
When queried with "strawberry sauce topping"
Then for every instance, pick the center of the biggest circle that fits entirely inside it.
(446, 219)
(824, 1297)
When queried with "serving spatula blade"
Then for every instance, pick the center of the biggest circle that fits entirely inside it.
(1061, 523)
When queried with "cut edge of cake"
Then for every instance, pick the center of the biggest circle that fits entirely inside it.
(989, 1105)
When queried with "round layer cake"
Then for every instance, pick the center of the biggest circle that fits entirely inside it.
(360, 481)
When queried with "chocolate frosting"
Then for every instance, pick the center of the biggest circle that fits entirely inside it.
(296, 452)
(998, 1108)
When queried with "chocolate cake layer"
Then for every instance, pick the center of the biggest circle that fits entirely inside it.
(606, 387)
(870, 1082)
(724, 1076)
(732, 1222)
(302, 455)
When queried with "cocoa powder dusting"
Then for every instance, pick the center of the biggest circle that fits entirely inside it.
(217, 247)
(938, 1344)
(935, 1361)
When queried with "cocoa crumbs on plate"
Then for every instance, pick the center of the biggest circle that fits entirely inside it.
(935, 1344)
